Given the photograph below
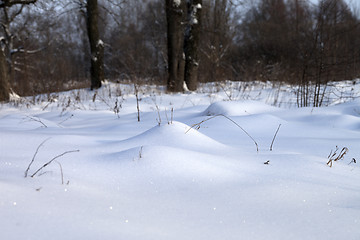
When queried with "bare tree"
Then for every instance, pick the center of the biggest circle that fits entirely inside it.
(217, 39)
(175, 12)
(96, 44)
(192, 37)
(6, 45)
(4, 79)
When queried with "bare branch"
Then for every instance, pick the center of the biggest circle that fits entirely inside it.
(9, 3)
(21, 50)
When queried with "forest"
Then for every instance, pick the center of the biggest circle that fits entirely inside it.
(45, 45)
(179, 119)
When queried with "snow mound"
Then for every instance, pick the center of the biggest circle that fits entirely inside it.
(175, 164)
(334, 120)
(351, 108)
(232, 108)
(177, 135)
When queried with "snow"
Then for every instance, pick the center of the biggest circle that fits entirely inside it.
(193, 17)
(184, 171)
(100, 43)
(194, 21)
(177, 3)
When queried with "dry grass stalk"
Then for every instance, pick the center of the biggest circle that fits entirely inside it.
(62, 173)
(33, 159)
(335, 156)
(274, 137)
(136, 88)
(36, 119)
(46, 164)
(353, 160)
(197, 126)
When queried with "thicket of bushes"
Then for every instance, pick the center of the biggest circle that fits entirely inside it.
(293, 41)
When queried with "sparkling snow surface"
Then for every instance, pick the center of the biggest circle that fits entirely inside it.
(164, 178)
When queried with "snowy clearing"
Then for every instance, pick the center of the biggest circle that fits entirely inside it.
(167, 178)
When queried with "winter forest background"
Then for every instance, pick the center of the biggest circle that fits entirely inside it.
(304, 43)
(101, 139)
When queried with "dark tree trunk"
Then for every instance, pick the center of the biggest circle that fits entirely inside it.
(96, 45)
(4, 78)
(5, 70)
(191, 47)
(175, 11)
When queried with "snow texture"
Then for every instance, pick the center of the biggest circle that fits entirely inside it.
(181, 175)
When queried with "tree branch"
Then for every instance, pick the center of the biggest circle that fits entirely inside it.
(9, 3)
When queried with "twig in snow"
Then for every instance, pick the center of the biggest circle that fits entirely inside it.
(172, 115)
(37, 120)
(117, 108)
(158, 111)
(274, 137)
(52, 100)
(353, 160)
(94, 97)
(333, 158)
(53, 160)
(197, 126)
(137, 101)
(229, 96)
(66, 119)
(33, 159)
(61, 171)
(167, 118)
(140, 152)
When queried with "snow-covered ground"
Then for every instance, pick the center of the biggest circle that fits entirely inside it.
(189, 170)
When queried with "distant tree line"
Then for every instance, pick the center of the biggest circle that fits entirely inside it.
(45, 44)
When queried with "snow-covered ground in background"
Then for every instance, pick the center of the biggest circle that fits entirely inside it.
(165, 178)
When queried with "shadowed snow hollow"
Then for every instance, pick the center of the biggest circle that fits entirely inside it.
(238, 108)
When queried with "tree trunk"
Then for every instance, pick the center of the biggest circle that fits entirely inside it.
(175, 36)
(96, 45)
(4, 78)
(192, 44)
